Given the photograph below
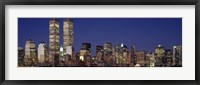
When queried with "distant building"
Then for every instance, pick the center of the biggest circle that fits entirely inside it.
(99, 53)
(42, 53)
(107, 49)
(177, 56)
(140, 57)
(152, 60)
(20, 56)
(54, 41)
(159, 54)
(62, 57)
(125, 56)
(168, 59)
(30, 53)
(118, 54)
(85, 49)
(148, 56)
(133, 55)
(68, 36)
(107, 52)
(69, 50)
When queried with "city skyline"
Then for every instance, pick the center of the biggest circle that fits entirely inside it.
(145, 33)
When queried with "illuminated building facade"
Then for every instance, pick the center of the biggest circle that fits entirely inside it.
(62, 57)
(177, 56)
(159, 54)
(147, 59)
(85, 53)
(68, 36)
(107, 52)
(125, 56)
(20, 56)
(42, 53)
(54, 41)
(167, 59)
(30, 53)
(152, 60)
(133, 55)
(140, 56)
(99, 53)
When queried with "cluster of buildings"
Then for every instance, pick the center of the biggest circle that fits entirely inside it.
(107, 55)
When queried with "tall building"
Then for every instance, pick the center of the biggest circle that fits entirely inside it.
(85, 54)
(118, 54)
(30, 53)
(177, 56)
(133, 55)
(85, 49)
(68, 36)
(151, 59)
(62, 57)
(20, 56)
(107, 52)
(125, 56)
(42, 53)
(167, 59)
(147, 58)
(54, 41)
(159, 54)
(140, 56)
(99, 53)
(108, 49)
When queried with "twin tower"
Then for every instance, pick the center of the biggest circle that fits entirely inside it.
(54, 38)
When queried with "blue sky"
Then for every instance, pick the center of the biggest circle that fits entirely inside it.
(145, 33)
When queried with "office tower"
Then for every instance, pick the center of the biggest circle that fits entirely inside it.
(99, 53)
(20, 56)
(85, 49)
(133, 55)
(118, 54)
(167, 59)
(54, 41)
(30, 53)
(107, 49)
(140, 56)
(125, 56)
(42, 53)
(107, 52)
(61, 57)
(159, 54)
(147, 58)
(85, 54)
(177, 56)
(152, 60)
(68, 36)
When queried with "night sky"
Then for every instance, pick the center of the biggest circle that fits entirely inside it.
(145, 33)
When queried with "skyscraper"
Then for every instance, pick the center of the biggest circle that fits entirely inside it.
(108, 49)
(85, 53)
(54, 41)
(99, 53)
(20, 56)
(159, 54)
(133, 56)
(85, 49)
(68, 36)
(30, 53)
(140, 58)
(177, 56)
(42, 53)
(125, 56)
